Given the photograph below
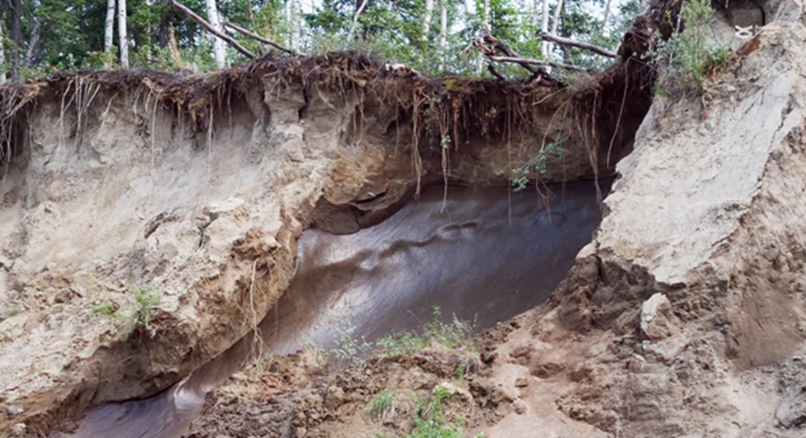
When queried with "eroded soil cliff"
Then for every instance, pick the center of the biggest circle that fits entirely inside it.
(683, 317)
(149, 221)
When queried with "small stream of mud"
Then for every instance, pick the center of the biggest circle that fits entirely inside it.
(481, 254)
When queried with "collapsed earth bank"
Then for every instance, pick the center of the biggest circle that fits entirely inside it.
(682, 317)
(149, 221)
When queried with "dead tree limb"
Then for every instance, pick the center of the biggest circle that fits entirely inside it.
(534, 62)
(192, 15)
(489, 46)
(572, 43)
(257, 37)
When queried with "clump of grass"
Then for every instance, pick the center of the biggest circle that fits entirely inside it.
(428, 421)
(11, 310)
(382, 405)
(455, 334)
(104, 308)
(145, 299)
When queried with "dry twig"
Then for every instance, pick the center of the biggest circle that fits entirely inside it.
(257, 37)
(207, 26)
(534, 62)
(572, 43)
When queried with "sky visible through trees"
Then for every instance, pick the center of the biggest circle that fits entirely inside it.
(42, 36)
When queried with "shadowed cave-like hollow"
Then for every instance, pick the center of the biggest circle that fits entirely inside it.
(483, 254)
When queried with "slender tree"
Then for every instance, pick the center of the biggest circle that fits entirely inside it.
(544, 27)
(32, 42)
(555, 22)
(16, 38)
(123, 38)
(427, 16)
(109, 29)
(443, 33)
(2, 54)
(219, 51)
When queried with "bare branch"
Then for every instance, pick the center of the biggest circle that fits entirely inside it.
(355, 19)
(489, 45)
(534, 62)
(257, 37)
(572, 43)
(192, 15)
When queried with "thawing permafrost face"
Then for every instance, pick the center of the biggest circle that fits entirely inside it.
(481, 254)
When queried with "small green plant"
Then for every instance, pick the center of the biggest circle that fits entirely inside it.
(11, 310)
(145, 299)
(349, 348)
(382, 405)
(104, 308)
(536, 165)
(446, 141)
(685, 59)
(428, 422)
(454, 334)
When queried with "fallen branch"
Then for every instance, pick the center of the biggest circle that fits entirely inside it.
(534, 62)
(257, 37)
(192, 15)
(489, 46)
(571, 43)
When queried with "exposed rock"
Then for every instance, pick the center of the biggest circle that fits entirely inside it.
(655, 314)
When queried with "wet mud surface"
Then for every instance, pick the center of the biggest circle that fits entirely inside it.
(480, 254)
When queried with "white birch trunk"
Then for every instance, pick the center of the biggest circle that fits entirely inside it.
(429, 13)
(544, 27)
(219, 51)
(291, 12)
(123, 39)
(487, 19)
(109, 30)
(555, 22)
(443, 32)
(3, 76)
(535, 12)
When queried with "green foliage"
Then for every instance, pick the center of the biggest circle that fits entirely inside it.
(145, 299)
(685, 59)
(455, 334)
(381, 403)
(349, 348)
(536, 165)
(104, 308)
(72, 33)
(428, 422)
(11, 310)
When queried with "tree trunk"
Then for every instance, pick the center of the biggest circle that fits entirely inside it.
(291, 19)
(535, 12)
(166, 30)
(219, 51)
(16, 38)
(443, 32)
(555, 22)
(544, 27)
(429, 12)
(32, 42)
(109, 31)
(123, 39)
(2, 54)
(606, 15)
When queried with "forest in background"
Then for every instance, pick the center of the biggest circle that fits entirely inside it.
(40, 37)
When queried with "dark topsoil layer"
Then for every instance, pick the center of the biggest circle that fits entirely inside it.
(600, 115)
